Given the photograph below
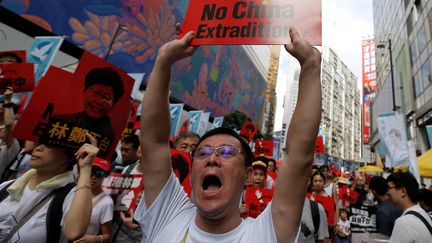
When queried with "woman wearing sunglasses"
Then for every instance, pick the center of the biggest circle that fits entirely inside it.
(25, 209)
(100, 227)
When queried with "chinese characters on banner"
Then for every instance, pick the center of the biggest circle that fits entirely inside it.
(257, 200)
(363, 219)
(126, 190)
(252, 22)
(19, 76)
(369, 84)
(263, 148)
(95, 100)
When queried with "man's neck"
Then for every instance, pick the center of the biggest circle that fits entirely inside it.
(407, 204)
(218, 226)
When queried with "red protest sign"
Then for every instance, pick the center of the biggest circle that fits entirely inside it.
(272, 174)
(347, 195)
(264, 148)
(319, 145)
(257, 200)
(20, 76)
(181, 164)
(248, 130)
(9, 57)
(252, 22)
(126, 190)
(327, 203)
(64, 107)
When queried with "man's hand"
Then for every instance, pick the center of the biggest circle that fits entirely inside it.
(177, 49)
(302, 50)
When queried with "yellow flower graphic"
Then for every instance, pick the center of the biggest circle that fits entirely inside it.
(96, 34)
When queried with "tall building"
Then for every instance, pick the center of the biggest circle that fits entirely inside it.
(271, 88)
(403, 40)
(340, 122)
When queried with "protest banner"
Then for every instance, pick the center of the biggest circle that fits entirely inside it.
(138, 77)
(272, 174)
(217, 122)
(42, 53)
(347, 195)
(56, 116)
(175, 111)
(203, 124)
(19, 76)
(363, 219)
(125, 190)
(257, 199)
(248, 130)
(263, 148)
(328, 205)
(12, 56)
(182, 165)
(252, 22)
(319, 145)
(194, 120)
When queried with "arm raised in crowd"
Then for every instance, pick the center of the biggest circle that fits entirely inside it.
(9, 117)
(290, 189)
(78, 216)
(155, 120)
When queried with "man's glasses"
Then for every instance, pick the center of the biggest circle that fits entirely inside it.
(98, 173)
(225, 151)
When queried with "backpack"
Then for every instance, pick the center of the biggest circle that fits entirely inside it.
(55, 210)
(315, 216)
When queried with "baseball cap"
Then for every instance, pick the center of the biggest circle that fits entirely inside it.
(102, 163)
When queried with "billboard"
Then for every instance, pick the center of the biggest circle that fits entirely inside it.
(369, 84)
(218, 79)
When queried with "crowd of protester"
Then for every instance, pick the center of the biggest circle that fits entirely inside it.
(37, 177)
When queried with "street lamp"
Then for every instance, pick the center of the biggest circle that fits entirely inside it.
(120, 26)
(382, 46)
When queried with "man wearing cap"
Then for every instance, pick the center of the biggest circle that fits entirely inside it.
(221, 164)
(259, 173)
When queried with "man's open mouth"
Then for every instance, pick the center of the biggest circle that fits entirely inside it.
(211, 183)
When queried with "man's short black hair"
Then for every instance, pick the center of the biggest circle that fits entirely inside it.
(322, 167)
(379, 185)
(408, 181)
(185, 135)
(13, 55)
(133, 139)
(105, 76)
(247, 152)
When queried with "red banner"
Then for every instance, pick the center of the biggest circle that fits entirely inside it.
(257, 200)
(20, 76)
(64, 106)
(9, 57)
(347, 195)
(248, 131)
(264, 148)
(327, 203)
(369, 84)
(319, 145)
(252, 22)
(126, 190)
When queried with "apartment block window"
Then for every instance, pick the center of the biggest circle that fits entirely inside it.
(426, 74)
(413, 52)
(421, 39)
(417, 85)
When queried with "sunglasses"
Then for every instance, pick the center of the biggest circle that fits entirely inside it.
(98, 173)
(225, 151)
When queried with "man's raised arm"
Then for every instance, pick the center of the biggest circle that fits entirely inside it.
(290, 189)
(155, 119)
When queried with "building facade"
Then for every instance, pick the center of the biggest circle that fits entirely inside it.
(340, 122)
(403, 55)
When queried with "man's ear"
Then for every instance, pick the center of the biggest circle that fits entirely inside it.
(249, 175)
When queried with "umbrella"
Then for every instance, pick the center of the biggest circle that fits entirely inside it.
(370, 168)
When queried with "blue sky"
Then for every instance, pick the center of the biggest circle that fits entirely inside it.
(344, 24)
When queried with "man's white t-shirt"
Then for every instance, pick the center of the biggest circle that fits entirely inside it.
(12, 211)
(101, 213)
(171, 218)
(329, 189)
(409, 228)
